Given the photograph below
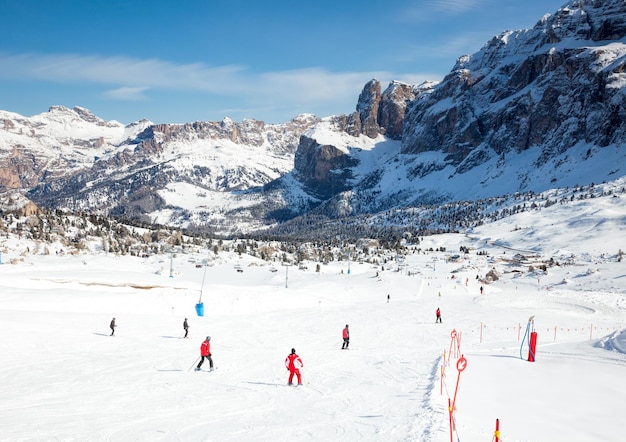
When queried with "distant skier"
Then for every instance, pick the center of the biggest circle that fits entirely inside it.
(186, 327)
(481, 289)
(294, 364)
(346, 338)
(388, 298)
(205, 352)
(438, 313)
(112, 326)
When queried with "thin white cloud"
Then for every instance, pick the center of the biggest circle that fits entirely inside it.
(432, 10)
(454, 6)
(127, 93)
(132, 78)
(313, 84)
(315, 90)
(122, 71)
(451, 49)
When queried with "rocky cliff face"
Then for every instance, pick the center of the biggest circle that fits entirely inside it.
(393, 105)
(367, 109)
(551, 87)
(381, 113)
(324, 169)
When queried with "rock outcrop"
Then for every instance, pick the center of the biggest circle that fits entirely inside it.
(323, 169)
(554, 86)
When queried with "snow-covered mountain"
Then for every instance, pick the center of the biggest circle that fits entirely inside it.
(67, 158)
(56, 144)
(532, 110)
(542, 104)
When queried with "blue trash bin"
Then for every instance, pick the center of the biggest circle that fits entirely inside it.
(200, 309)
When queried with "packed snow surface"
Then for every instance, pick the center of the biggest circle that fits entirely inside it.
(63, 377)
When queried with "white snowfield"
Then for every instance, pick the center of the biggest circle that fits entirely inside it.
(63, 378)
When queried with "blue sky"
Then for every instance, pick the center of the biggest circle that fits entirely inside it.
(178, 61)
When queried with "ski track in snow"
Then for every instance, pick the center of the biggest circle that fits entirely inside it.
(64, 378)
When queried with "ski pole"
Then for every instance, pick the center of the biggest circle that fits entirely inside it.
(192, 365)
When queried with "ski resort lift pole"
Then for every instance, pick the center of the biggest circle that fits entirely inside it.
(532, 340)
(286, 265)
(206, 264)
(200, 305)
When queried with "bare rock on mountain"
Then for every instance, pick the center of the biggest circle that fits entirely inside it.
(380, 113)
(551, 86)
(367, 109)
(392, 108)
(322, 168)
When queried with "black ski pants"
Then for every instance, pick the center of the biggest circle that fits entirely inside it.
(202, 361)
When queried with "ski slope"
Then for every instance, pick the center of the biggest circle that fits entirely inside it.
(64, 378)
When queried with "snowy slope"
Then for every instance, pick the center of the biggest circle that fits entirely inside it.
(64, 378)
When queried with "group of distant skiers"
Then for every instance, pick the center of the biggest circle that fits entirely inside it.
(293, 362)
(185, 327)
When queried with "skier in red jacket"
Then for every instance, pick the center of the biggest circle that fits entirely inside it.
(205, 352)
(346, 338)
(294, 364)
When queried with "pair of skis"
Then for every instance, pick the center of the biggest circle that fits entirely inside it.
(196, 363)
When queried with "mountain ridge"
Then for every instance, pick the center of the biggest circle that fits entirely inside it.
(532, 110)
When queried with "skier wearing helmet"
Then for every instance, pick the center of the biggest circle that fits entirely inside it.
(205, 352)
(294, 364)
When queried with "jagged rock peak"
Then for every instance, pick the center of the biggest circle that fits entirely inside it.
(381, 113)
(595, 20)
(367, 108)
(592, 20)
(392, 108)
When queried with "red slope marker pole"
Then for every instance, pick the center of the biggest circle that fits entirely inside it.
(496, 435)
(450, 413)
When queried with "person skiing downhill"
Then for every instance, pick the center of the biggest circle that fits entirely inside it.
(438, 313)
(294, 364)
(112, 326)
(346, 338)
(205, 352)
(186, 327)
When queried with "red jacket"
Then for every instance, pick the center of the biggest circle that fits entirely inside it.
(205, 348)
(293, 362)
(346, 333)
